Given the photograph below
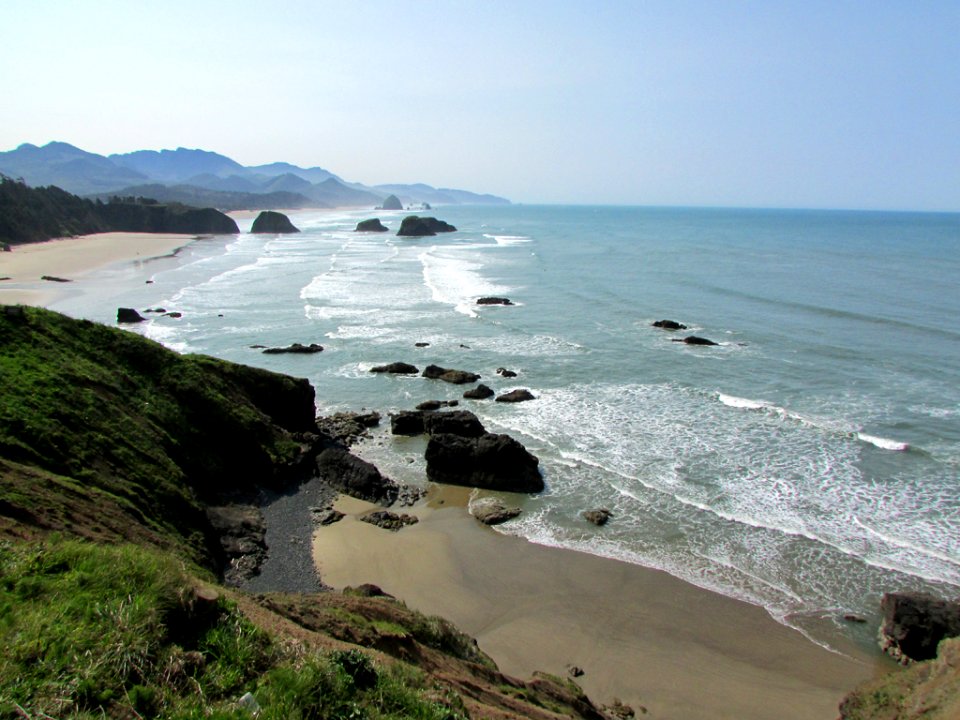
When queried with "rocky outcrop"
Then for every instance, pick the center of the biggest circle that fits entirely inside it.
(241, 530)
(414, 226)
(391, 202)
(669, 325)
(694, 340)
(388, 520)
(494, 301)
(480, 392)
(503, 372)
(515, 396)
(437, 404)
(396, 368)
(129, 315)
(347, 427)
(915, 623)
(493, 511)
(491, 461)
(598, 516)
(296, 349)
(456, 377)
(355, 477)
(456, 422)
(407, 422)
(372, 225)
(269, 222)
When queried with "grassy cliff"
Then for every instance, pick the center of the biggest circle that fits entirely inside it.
(111, 447)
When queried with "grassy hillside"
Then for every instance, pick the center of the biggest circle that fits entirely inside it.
(111, 447)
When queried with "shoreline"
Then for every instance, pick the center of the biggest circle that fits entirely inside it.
(73, 259)
(640, 635)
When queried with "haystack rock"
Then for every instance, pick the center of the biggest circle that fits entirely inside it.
(270, 222)
(391, 202)
(415, 226)
(129, 315)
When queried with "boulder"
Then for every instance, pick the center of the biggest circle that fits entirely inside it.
(355, 477)
(494, 301)
(270, 222)
(437, 404)
(915, 623)
(694, 340)
(388, 520)
(456, 377)
(396, 368)
(129, 315)
(296, 349)
(414, 226)
(515, 396)
(491, 461)
(669, 325)
(456, 422)
(503, 372)
(373, 225)
(480, 392)
(391, 202)
(492, 511)
(598, 516)
(407, 422)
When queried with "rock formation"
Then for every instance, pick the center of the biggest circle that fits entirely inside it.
(373, 225)
(455, 377)
(598, 516)
(480, 392)
(492, 511)
(129, 315)
(694, 340)
(392, 202)
(396, 368)
(355, 477)
(494, 301)
(296, 348)
(270, 222)
(915, 623)
(415, 226)
(515, 396)
(491, 461)
(669, 325)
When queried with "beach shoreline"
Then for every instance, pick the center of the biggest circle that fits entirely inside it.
(73, 259)
(640, 635)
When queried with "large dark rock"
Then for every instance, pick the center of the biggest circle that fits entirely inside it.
(694, 340)
(414, 226)
(456, 422)
(296, 349)
(392, 202)
(355, 477)
(407, 422)
(598, 516)
(515, 396)
(436, 404)
(494, 301)
(669, 325)
(270, 222)
(503, 372)
(915, 623)
(396, 368)
(129, 315)
(373, 225)
(491, 461)
(457, 377)
(241, 530)
(480, 392)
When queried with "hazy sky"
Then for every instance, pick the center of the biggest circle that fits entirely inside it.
(787, 104)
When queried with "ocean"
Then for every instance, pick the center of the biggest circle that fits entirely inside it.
(807, 463)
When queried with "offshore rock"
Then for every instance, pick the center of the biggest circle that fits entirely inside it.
(503, 372)
(598, 517)
(396, 368)
(915, 623)
(456, 422)
(491, 461)
(515, 396)
(694, 340)
(480, 392)
(494, 301)
(391, 202)
(414, 226)
(355, 477)
(456, 377)
(373, 225)
(296, 349)
(270, 222)
(129, 315)
(437, 404)
(669, 325)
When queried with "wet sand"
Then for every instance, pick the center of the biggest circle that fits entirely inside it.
(640, 635)
(71, 259)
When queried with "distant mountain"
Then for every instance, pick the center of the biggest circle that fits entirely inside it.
(201, 177)
(178, 165)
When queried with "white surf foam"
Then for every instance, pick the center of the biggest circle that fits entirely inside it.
(508, 239)
(884, 443)
(455, 279)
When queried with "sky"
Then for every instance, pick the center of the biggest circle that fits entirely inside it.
(808, 103)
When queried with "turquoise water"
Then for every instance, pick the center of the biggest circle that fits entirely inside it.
(808, 463)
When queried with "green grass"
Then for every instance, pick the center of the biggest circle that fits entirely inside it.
(91, 630)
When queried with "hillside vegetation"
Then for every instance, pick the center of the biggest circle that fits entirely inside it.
(111, 448)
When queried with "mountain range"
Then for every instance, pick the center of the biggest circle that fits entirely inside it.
(201, 177)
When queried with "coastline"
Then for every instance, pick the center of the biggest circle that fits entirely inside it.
(640, 635)
(72, 259)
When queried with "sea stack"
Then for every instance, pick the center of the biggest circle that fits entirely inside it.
(272, 223)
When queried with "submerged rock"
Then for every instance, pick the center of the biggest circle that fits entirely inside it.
(669, 325)
(270, 222)
(503, 372)
(296, 348)
(456, 377)
(694, 340)
(437, 404)
(373, 225)
(491, 461)
(598, 516)
(396, 368)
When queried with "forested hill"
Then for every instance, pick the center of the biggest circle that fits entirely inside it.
(33, 214)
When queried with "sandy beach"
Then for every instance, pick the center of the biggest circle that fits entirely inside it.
(71, 259)
(639, 635)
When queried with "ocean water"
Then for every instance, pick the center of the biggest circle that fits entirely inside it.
(808, 463)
